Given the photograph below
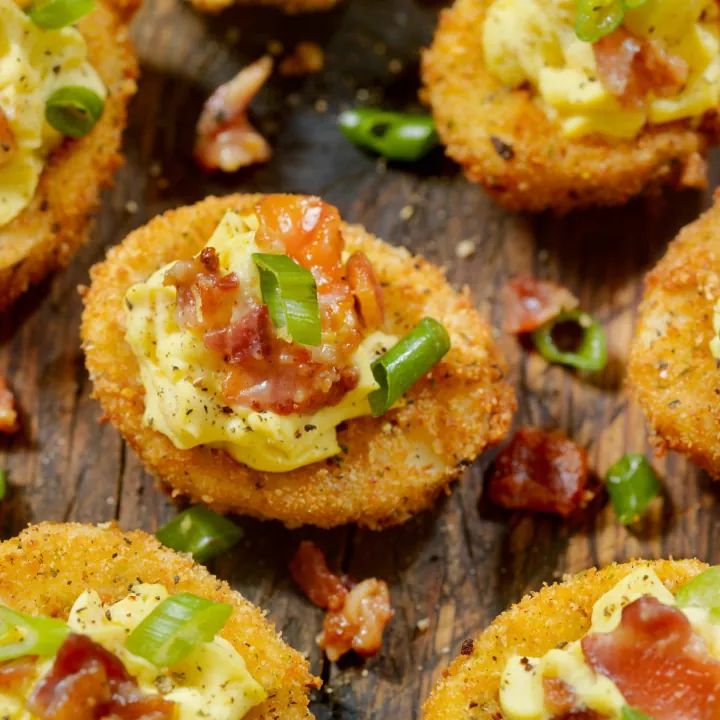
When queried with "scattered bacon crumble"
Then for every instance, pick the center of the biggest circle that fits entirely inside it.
(87, 682)
(528, 303)
(306, 58)
(630, 67)
(541, 471)
(8, 414)
(8, 142)
(225, 139)
(357, 614)
(659, 664)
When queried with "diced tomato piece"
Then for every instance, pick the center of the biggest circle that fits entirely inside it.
(542, 471)
(527, 303)
(659, 664)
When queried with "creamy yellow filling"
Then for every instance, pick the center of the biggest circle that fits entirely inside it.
(715, 342)
(211, 682)
(33, 64)
(534, 42)
(522, 695)
(183, 379)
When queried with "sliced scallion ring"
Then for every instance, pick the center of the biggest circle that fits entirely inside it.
(290, 293)
(200, 532)
(702, 591)
(406, 362)
(630, 713)
(3, 483)
(40, 635)
(631, 484)
(74, 110)
(597, 18)
(56, 14)
(592, 351)
(176, 626)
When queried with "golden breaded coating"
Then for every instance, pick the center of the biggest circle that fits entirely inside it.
(45, 569)
(504, 140)
(672, 372)
(49, 231)
(532, 627)
(394, 466)
(289, 6)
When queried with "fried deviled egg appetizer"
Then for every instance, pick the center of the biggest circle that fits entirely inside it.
(98, 623)
(67, 72)
(265, 358)
(674, 368)
(628, 642)
(566, 103)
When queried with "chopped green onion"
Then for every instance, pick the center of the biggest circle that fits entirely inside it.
(40, 635)
(592, 351)
(597, 18)
(406, 362)
(290, 293)
(631, 484)
(201, 532)
(74, 110)
(702, 591)
(630, 713)
(394, 135)
(176, 626)
(56, 14)
(3, 483)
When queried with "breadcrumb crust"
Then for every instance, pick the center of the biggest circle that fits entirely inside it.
(505, 141)
(557, 613)
(48, 565)
(394, 466)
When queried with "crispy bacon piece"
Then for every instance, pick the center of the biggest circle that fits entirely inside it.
(307, 58)
(528, 303)
(8, 414)
(631, 67)
(658, 663)
(248, 337)
(225, 139)
(542, 471)
(87, 682)
(357, 615)
(366, 289)
(8, 142)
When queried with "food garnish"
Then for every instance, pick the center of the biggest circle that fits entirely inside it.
(74, 110)
(541, 471)
(356, 613)
(56, 14)
(528, 303)
(394, 135)
(29, 635)
(225, 138)
(597, 18)
(201, 532)
(632, 484)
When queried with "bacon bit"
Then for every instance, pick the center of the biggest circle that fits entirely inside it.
(14, 673)
(87, 682)
(248, 337)
(225, 139)
(306, 59)
(631, 67)
(357, 615)
(528, 303)
(559, 697)
(695, 173)
(8, 414)
(8, 143)
(366, 289)
(542, 471)
(658, 663)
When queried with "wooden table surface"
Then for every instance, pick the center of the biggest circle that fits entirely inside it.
(461, 564)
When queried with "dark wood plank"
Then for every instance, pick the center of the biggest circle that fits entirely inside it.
(461, 564)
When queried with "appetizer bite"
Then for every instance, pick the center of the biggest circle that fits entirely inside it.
(565, 103)
(265, 358)
(64, 88)
(629, 642)
(98, 623)
(674, 369)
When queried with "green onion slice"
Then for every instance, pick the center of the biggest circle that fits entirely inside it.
(597, 18)
(201, 532)
(176, 626)
(630, 713)
(406, 362)
(592, 351)
(73, 110)
(702, 591)
(290, 293)
(394, 135)
(3, 483)
(40, 635)
(56, 14)
(631, 484)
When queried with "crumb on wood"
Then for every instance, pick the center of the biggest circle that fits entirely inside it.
(306, 58)
(465, 249)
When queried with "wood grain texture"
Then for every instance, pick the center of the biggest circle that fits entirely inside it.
(461, 564)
